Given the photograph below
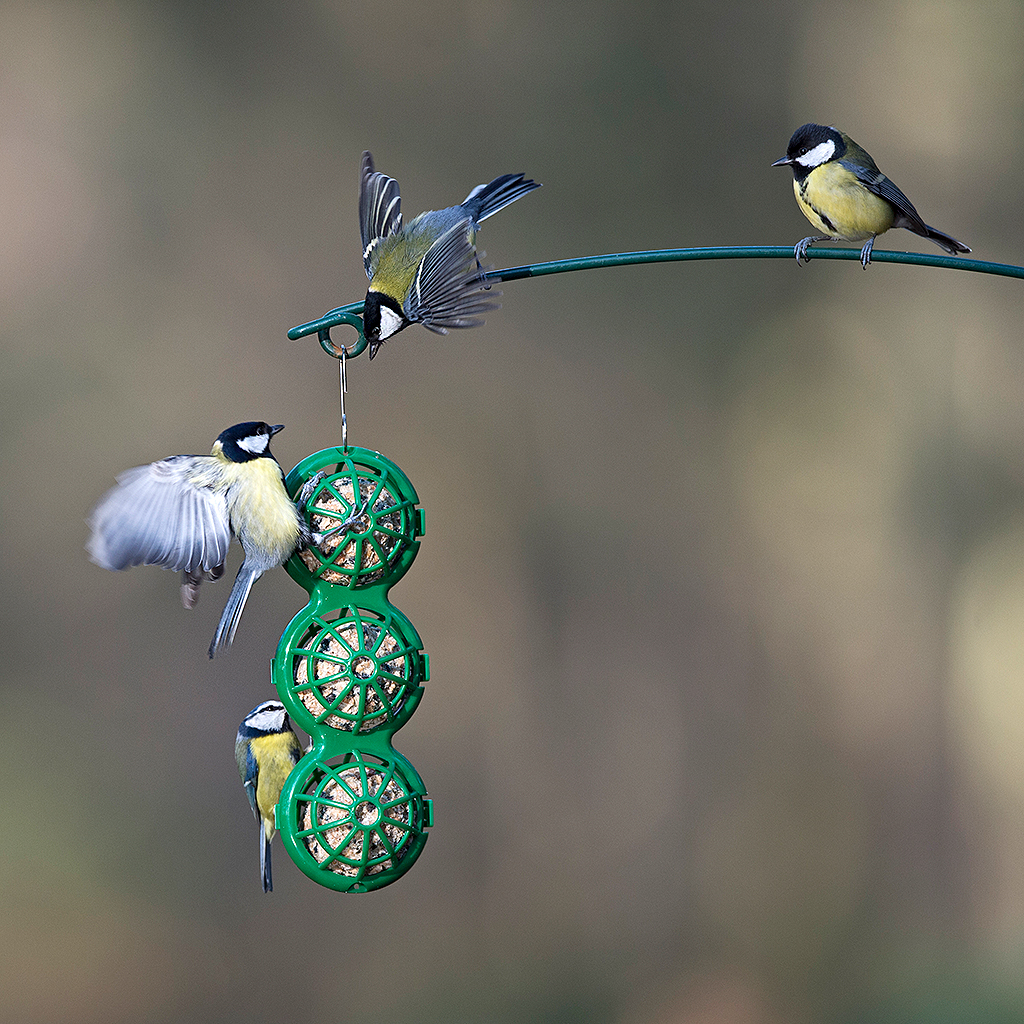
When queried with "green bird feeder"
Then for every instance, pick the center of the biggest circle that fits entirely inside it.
(350, 669)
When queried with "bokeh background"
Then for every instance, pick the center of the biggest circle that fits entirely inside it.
(723, 578)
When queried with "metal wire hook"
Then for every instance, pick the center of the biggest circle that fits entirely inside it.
(343, 383)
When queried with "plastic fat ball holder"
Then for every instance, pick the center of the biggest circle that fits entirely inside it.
(350, 670)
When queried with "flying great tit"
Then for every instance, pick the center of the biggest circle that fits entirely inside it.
(181, 512)
(427, 272)
(266, 750)
(844, 195)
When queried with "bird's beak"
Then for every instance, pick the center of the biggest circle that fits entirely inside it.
(784, 162)
(277, 428)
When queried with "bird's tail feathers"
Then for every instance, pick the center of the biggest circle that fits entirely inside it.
(233, 610)
(486, 200)
(947, 242)
(265, 872)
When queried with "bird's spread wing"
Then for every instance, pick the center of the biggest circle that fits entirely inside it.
(875, 181)
(158, 515)
(449, 289)
(380, 209)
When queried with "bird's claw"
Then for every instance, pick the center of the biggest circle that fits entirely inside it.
(307, 489)
(800, 249)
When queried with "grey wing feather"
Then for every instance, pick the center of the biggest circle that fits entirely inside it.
(380, 208)
(250, 778)
(157, 515)
(249, 771)
(875, 181)
(250, 792)
(449, 289)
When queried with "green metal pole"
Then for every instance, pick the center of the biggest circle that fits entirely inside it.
(350, 314)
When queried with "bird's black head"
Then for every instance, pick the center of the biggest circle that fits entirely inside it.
(811, 146)
(245, 441)
(265, 719)
(383, 317)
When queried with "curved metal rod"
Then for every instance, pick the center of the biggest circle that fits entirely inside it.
(724, 252)
(349, 314)
(343, 315)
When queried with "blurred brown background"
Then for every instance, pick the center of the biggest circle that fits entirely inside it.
(723, 578)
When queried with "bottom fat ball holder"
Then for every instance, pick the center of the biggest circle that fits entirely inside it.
(349, 669)
(356, 821)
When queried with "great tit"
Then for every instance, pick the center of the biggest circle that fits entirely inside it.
(266, 750)
(843, 194)
(181, 512)
(427, 272)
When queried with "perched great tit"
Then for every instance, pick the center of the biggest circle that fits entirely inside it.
(843, 194)
(180, 513)
(427, 272)
(266, 749)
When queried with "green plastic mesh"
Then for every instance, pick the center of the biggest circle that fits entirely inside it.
(350, 669)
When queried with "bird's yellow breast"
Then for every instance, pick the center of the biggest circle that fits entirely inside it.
(839, 206)
(259, 506)
(276, 756)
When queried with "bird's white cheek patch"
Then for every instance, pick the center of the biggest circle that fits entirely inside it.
(390, 322)
(821, 153)
(256, 444)
(271, 720)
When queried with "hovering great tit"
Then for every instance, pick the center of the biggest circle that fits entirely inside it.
(181, 512)
(427, 272)
(266, 750)
(843, 194)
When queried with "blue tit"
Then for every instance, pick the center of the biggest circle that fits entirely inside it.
(845, 196)
(427, 272)
(266, 749)
(180, 513)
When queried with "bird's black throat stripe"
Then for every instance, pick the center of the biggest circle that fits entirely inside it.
(829, 226)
